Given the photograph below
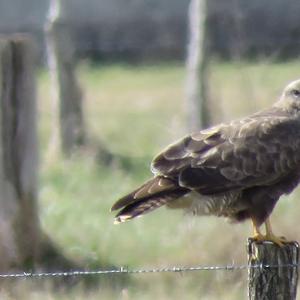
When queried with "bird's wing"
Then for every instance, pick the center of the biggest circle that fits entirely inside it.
(257, 150)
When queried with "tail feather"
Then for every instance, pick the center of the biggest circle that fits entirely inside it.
(151, 195)
(151, 187)
(139, 208)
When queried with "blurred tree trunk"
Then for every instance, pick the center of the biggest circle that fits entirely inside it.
(19, 229)
(23, 246)
(197, 102)
(66, 93)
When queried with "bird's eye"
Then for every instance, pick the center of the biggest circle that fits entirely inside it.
(296, 93)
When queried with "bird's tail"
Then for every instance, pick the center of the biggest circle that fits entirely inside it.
(154, 193)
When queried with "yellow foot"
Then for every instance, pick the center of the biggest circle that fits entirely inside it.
(270, 236)
(258, 237)
(277, 240)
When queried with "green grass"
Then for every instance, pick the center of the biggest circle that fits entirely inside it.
(135, 111)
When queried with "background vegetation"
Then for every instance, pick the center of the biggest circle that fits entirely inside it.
(136, 111)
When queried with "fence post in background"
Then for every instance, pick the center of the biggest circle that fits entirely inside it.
(19, 223)
(68, 121)
(23, 245)
(277, 277)
(198, 115)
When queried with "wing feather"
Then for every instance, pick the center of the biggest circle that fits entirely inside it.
(180, 154)
(257, 150)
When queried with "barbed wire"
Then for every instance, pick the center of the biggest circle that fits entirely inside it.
(125, 270)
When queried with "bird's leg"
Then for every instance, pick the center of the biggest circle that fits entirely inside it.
(257, 235)
(270, 236)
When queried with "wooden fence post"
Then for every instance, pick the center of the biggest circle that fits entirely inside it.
(273, 270)
(66, 92)
(197, 106)
(23, 245)
(20, 227)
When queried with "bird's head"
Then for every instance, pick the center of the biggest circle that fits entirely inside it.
(290, 98)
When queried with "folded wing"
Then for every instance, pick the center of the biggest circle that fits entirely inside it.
(250, 152)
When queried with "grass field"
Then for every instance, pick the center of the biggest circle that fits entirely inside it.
(135, 111)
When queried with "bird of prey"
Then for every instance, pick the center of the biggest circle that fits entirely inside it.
(236, 170)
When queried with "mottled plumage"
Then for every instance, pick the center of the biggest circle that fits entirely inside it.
(237, 170)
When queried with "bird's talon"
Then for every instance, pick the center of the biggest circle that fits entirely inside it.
(279, 241)
(259, 238)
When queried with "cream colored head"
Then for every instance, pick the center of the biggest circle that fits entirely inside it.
(290, 98)
(292, 90)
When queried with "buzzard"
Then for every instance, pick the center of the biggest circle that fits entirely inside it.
(236, 170)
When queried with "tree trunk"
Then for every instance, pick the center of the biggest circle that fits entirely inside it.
(66, 94)
(19, 229)
(198, 113)
(23, 246)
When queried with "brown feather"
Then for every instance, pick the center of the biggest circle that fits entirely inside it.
(141, 207)
(157, 186)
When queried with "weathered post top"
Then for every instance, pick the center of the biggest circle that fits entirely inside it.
(273, 270)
